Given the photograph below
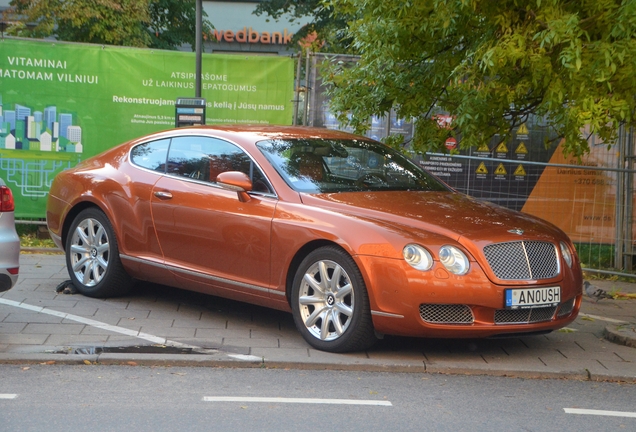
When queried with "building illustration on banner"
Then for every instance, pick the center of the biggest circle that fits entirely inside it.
(21, 128)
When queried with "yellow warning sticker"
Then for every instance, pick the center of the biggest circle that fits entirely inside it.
(481, 169)
(483, 148)
(520, 171)
(523, 129)
(502, 148)
(501, 170)
(521, 149)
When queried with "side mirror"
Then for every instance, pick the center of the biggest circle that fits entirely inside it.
(236, 181)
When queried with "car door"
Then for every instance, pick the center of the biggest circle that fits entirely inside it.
(207, 235)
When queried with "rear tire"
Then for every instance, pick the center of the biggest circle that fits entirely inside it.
(92, 256)
(330, 303)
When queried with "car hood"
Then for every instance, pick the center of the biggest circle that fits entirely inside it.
(451, 214)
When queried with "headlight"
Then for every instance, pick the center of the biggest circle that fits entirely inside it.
(567, 256)
(454, 260)
(417, 257)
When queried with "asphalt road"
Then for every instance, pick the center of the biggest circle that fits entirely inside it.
(118, 398)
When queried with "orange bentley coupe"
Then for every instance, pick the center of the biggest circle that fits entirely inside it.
(350, 236)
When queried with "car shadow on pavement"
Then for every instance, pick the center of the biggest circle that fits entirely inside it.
(265, 322)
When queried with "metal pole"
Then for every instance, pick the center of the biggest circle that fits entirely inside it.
(198, 42)
(619, 214)
(297, 90)
(306, 113)
(628, 240)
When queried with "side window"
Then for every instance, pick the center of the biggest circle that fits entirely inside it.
(151, 155)
(205, 158)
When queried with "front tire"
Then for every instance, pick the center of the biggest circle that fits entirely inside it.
(92, 256)
(330, 303)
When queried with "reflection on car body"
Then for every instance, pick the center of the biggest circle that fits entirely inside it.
(351, 237)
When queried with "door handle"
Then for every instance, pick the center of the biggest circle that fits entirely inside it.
(163, 195)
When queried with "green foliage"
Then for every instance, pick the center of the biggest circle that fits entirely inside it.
(330, 28)
(490, 64)
(30, 237)
(112, 22)
(173, 23)
(596, 256)
(164, 24)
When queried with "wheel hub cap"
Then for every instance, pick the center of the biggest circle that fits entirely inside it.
(331, 300)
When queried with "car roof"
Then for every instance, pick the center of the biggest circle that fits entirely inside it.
(259, 132)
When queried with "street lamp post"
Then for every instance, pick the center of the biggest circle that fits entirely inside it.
(197, 44)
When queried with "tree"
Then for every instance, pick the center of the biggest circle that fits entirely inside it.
(173, 23)
(490, 64)
(164, 24)
(112, 22)
(329, 28)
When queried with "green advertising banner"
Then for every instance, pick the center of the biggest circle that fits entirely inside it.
(61, 103)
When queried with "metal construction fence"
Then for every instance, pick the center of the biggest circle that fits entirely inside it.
(592, 200)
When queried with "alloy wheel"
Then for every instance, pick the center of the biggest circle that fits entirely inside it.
(89, 252)
(326, 300)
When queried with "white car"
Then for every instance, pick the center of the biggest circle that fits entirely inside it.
(9, 240)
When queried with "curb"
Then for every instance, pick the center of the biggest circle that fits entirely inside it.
(623, 334)
(41, 250)
(206, 360)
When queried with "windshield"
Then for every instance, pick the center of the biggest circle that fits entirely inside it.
(317, 165)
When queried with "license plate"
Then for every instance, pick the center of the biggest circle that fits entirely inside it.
(530, 297)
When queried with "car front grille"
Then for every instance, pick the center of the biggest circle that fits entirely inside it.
(524, 316)
(523, 260)
(446, 314)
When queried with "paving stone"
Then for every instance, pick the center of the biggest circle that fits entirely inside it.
(23, 339)
(199, 323)
(49, 329)
(168, 332)
(32, 317)
(90, 330)
(145, 323)
(252, 343)
(12, 328)
(203, 333)
(76, 340)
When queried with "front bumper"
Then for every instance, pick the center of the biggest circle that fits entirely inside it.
(436, 304)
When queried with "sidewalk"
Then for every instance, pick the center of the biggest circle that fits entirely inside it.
(157, 325)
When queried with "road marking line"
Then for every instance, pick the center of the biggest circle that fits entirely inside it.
(600, 318)
(296, 400)
(8, 396)
(98, 324)
(600, 412)
(245, 357)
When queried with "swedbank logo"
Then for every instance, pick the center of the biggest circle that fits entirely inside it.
(247, 35)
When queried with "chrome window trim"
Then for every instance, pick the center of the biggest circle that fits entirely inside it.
(214, 184)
